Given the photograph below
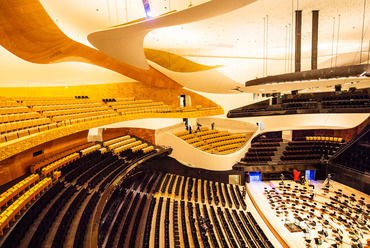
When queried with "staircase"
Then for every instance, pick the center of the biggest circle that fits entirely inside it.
(276, 158)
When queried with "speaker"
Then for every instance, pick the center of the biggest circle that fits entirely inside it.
(338, 87)
(294, 92)
(352, 89)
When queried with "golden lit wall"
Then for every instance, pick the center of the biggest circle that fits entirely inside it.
(143, 133)
(18, 165)
(114, 90)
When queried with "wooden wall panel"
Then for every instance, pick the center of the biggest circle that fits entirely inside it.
(19, 164)
(114, 90)
(346, 134)
(145, 134)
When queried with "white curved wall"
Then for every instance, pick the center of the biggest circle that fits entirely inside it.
(187, 153)
(308, 121)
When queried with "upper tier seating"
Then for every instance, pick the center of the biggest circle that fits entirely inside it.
(214, 141)
(133, 106)
(24, 116)
(261, 151)
(332, 102)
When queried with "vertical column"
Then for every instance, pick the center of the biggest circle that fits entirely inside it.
(298, 31)
(315, 37)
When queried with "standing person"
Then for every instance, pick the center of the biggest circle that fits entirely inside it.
(213, 126)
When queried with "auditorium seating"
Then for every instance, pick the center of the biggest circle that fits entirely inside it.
(312, 150)
(17, 189)
(59, 163)
(185, 236)
(148, 224)
(307, 103)
(83, 222)
(63, 227)
(15, 208)
(43, 228)
(71, 109)
(90, 149)
(24, 116)
(35, 167)
(355, 154)
(261, 151)
(176, 232)
(158, 223)
(133, 106)
(214, 141)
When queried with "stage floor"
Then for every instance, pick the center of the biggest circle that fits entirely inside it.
(314, 225)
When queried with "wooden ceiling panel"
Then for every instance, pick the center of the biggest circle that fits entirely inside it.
(27, 31)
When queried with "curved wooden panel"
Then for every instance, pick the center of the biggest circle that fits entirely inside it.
(174, 62)
(125, 42)
(27, 31)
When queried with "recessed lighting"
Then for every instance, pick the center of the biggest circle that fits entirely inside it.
(262, 89)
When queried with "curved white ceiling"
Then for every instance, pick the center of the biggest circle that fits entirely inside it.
(125, 42)
(211, 81)
(234, 40)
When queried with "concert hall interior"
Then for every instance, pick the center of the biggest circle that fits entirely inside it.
(184, 123)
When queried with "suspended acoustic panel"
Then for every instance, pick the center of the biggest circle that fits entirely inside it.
(174, 62)
(125, 42)
(27, 31)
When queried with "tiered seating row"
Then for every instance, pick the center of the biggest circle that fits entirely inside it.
(90, 149)
(308, 103)
(21, 227)
(17, 189)
(21, 203)
(84, 220)
(193, 229)
(207, 222)
(148, 225)
(81, 116)
(213, 141)
(25, 125)
(59, 163)
(131, 208)
(158, 223)
(185, 237)
(48, 108)
(138, 217)
(50, 159)
(127, 146)
(309, 150)
(121, 143)
(43, 228)
(67, 219)
(175, 222)
(115, 140)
